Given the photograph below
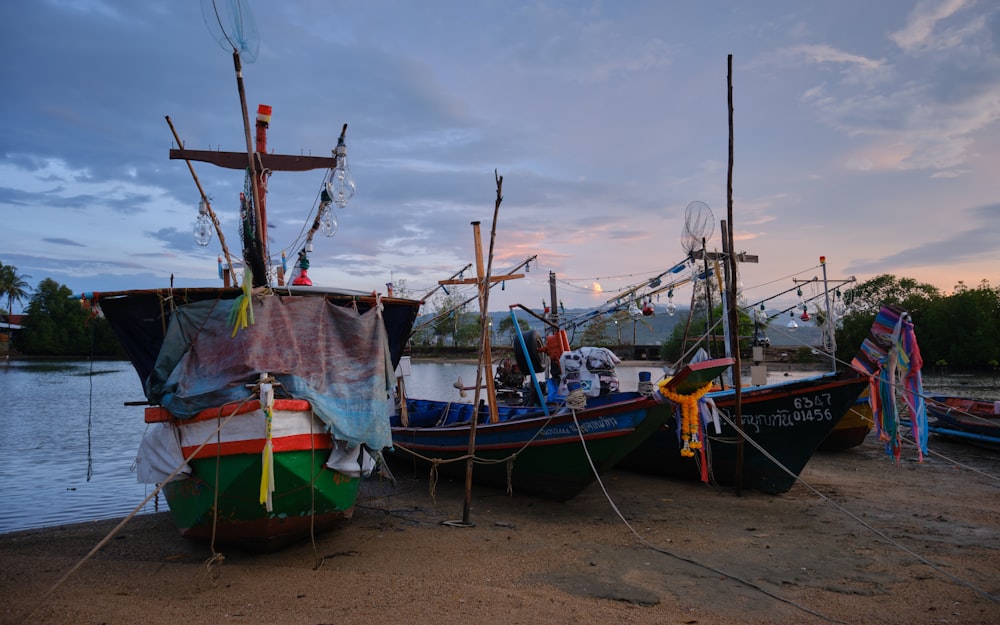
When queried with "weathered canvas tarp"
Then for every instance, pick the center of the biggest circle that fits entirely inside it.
(329, 355)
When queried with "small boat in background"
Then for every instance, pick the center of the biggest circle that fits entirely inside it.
(973, 420)
(853, 427)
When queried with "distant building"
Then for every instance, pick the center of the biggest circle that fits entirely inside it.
(7, 330)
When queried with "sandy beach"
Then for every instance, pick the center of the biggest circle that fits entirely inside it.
(867, 541)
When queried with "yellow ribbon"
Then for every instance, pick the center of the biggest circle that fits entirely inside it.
(267, 457)
(241, 314)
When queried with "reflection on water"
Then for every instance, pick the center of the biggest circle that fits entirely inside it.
(63, 420)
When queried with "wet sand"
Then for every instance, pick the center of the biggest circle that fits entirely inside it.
(868, 541)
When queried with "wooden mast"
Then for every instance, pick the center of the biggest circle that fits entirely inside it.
(261, 233)
(231, 273)
(259, 162)
(484, 279)
(263, 121)
(731, 288)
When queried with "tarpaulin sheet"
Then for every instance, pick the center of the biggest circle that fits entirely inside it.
(331, 356)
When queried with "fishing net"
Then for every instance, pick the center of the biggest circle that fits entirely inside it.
(232, 25)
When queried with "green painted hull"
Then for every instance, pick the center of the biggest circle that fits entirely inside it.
(541, 455)
(303, 484)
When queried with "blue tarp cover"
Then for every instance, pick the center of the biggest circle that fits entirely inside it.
(329, 355)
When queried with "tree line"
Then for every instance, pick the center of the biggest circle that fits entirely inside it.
(960, 330)
(55, 323)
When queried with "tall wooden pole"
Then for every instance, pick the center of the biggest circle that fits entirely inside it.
(208, 205)
(731, 287)
(257, 208)
(485, 355)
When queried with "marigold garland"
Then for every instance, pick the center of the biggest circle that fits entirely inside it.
(689, 415)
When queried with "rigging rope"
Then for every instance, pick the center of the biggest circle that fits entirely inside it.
(860, 521)
(104, 541)
(666, 552)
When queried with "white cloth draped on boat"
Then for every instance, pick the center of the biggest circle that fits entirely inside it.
(159, 456)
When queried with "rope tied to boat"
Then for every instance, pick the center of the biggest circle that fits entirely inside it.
(435, 462)
(214, 559)
(576, 399)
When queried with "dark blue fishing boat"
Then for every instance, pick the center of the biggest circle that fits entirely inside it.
(783, 425)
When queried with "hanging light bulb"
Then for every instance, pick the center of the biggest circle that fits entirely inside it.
(671, 307)
(791, 321)
(760, 314)
(202, 230)
(328, 222)
(340, 183)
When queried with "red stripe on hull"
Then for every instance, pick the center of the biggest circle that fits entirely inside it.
(300, 442)
(159, 414)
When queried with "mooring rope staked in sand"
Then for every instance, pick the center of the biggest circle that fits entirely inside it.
(867, 526)
(666, 552)
(104, 541)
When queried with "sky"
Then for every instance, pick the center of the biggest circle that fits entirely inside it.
(865, 132)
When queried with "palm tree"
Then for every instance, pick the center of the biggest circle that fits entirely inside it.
(13, 285)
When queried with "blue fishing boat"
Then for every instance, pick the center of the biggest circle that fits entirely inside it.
(971, 420)
(551, 451)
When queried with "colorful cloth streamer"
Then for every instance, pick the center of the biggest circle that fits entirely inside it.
(891, 358)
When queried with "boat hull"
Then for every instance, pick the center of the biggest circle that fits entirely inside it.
(220, 497)
(330, 349)
(237, 517)
(972, 420)
(788, 420)
(533, 453)
(853, 427)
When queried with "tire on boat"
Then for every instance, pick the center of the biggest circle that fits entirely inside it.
(534, 343)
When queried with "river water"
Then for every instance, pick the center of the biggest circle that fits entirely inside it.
(69, 440)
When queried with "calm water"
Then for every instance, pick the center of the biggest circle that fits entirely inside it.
(43, 470)
(61, 419)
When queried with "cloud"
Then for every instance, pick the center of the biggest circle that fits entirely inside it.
(974, 244)
(61, 241)
(919, 31)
